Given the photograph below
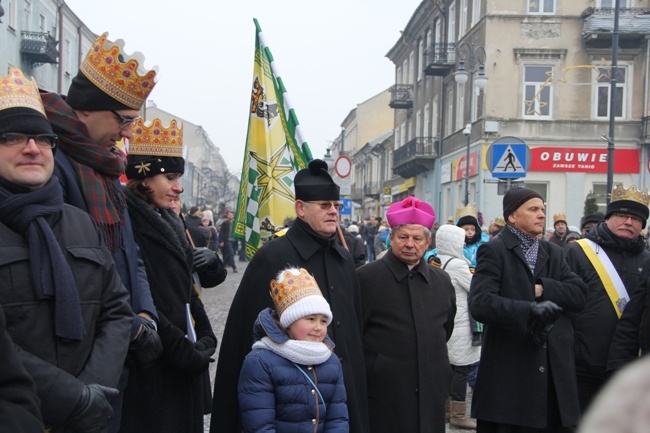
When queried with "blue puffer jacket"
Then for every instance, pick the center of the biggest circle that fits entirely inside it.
(275, 397)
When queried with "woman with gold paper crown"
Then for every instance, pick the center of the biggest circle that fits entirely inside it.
(168, 396)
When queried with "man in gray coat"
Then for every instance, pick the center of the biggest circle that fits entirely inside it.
(408, 316)
(521, 291)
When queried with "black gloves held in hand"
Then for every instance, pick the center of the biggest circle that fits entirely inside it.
(147, 347)
(205, 343)
(545, 312)
(204, 258)
(93, 410)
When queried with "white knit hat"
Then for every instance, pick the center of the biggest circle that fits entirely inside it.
(296, 294)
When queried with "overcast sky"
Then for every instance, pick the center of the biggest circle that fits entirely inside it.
(331, 55)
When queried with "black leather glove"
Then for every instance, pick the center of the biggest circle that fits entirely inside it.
(93, 409)
(545, 312)
(147, 347)
(205, 343)
(204, 258)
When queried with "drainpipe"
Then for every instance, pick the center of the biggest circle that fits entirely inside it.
(60, 71)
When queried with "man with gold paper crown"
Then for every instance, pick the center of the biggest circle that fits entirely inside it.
(66, 307)
(408, 316)
(103, 102)
(614, 263)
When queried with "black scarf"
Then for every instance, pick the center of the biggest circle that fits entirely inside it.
(26, 213)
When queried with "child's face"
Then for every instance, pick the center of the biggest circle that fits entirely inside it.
(470, 230)
(309, 328)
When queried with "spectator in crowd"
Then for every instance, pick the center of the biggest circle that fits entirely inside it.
(311, 243)
(408, 316)
(560, 229)
(468, 221)
(368, 234)
(521, 291)
(355, 244)
(613, 262)
(67, 310)
(590, 221)
(225, 235)
(193, 218)
(100, 110)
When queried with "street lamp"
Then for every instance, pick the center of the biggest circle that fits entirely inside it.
(475, 56)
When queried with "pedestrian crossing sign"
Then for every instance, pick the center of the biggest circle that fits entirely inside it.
(509, 160)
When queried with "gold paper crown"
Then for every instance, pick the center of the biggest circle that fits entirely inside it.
(18, 91)
(118, 75)
(499, 221)
(469, 210)
(156, 140)
(633, 194)
(291, 287)
(559, 217)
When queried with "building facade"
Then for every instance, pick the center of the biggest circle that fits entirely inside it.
(548, 67)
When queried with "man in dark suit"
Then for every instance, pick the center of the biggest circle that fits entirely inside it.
(522, 290)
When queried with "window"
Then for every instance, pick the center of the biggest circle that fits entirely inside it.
(538, 92)
(462, 23)
(451, 30)
(476, 11)
(541, 6)
(420, 58)
(402, 136)
(425, 128)
(68, 57)
(449, 115)
(411, 78)
(12, 20)
(460, 107)
(28, 14)
(624, 4)
(42, 23)
(603, 91)
(418, 124)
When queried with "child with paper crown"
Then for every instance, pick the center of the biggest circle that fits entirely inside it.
(290, 381)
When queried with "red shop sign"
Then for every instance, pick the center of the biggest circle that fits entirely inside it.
(573, 159)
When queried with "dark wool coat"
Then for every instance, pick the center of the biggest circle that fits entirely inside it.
(274, 395)
(408, 316)
(596, 323)
(333, 268)
(169, 396)
(513, 377)
(19, 406)
(61, 368)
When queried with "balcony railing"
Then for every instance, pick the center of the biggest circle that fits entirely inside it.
(415, 157)
(39, 48)
(439, 59)
(401, 96)
(598, 23)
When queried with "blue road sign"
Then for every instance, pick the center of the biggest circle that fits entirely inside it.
(509, 160)
(347, 206)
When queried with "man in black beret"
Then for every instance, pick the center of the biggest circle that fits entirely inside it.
(311, 243)
(521, 291)
(613, 262)
(590, 221)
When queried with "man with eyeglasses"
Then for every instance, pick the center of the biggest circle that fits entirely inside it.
(102, 104)
(614, 263)
(66, 308)
(311, 242)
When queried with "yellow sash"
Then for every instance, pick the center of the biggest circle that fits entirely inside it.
(617, 303)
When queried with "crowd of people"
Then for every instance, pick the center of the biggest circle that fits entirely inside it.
(380, 326)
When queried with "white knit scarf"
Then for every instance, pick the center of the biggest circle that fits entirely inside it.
(298, 351)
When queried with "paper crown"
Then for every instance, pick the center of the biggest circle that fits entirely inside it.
(469, 210)
(156, 140)
(499, 221)
(295, 294)
(411, 211)
(18, 91)
(559, 217)
(120, 76)
(633, 194)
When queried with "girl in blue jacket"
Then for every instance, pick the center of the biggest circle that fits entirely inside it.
(290, 382)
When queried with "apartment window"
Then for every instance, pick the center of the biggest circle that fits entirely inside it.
(538, 92)
(411, 68)
(624, 4)
(460, 108)
(427, 120)
(541, 6)
(68, 57)
(451, 30)
(603, 92)
(42, 23)
(435, 127)
(398, 76)
(28, 14)
(405, 72)
(418, 124)
(12, 19)
(462, 23)
(420, 58)
(402, 136)
(449, 115)
(476, 11)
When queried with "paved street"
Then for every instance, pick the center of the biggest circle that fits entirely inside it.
(217, 303)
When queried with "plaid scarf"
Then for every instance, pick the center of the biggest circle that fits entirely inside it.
(530, 246)
(97, 169)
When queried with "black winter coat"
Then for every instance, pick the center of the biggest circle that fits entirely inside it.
(596, 323)
(512, 384)
(169, 396)
(408, 316)
(333, 268)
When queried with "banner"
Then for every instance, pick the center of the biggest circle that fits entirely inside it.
(584, 160)
(275, 151)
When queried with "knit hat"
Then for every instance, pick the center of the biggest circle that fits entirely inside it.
(597, 218)
(353, 228)
(515, 197)
(21, 108)
(296, 294)
(411, 211)
(631, 201)
(315, 183)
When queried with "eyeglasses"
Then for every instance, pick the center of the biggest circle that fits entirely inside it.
(15, 139)
(326, 205)
(625, 216)
(124, 121)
